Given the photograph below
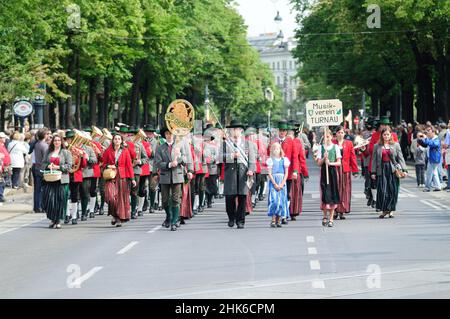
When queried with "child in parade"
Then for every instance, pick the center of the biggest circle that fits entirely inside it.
(278, 168)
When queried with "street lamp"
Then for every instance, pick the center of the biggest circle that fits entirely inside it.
(39, 103)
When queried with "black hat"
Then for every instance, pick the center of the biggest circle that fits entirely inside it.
(163, 131)
(236, 124)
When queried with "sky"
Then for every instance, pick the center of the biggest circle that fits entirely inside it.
(259, 16)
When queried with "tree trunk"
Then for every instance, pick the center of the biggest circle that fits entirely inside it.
(46, 111)
(440, 89)
(134, 105)
(386, 103)
(374, 101)
(106, 90)
(69, 91)
(92, 100)
(144, 95)
(425, 103)
(408, 102)
(78, 92)
(2, 116)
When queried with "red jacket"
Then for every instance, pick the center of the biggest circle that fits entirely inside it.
(303, 169)
(124, 167)
(291, 151)
(78, 174)
(349, 163)
(131, 150)
(6, 158)
(148, 150)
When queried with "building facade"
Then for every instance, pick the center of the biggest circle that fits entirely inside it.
(278, 56)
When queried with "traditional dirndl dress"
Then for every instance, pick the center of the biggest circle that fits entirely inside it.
(345, 191)
(330, 198)
(117, 196)
(54, 197)
(186, 207)
(278, 200)
(387, 185)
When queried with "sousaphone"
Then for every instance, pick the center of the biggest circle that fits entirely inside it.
(180, 116)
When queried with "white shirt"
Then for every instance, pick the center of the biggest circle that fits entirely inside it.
(271, 160)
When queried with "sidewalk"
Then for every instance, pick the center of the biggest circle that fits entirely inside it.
(17, 202)
(412, 174)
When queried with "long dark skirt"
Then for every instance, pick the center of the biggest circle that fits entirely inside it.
(296, 197)
(54, 200)
(186, 207)
(117, 195)
(345, 191)
(211, 185)
(329, 192)
(387, 189)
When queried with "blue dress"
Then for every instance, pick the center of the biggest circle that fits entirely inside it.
(278, 201)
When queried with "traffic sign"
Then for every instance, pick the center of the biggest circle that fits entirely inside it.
(324, 113)
(356, 120)
(23, 108)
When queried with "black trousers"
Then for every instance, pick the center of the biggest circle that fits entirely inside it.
(368, 182)
(260, 182)
(79, 190)
(236, 212)
(93, 186)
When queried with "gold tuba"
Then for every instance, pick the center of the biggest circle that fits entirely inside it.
(140, 136)
(106, 136)
(78, 141)
(96, 132)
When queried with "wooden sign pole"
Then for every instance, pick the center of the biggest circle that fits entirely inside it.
(325, 150)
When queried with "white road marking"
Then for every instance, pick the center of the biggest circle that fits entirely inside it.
(435, 202)
(318, 284)
(16, 223)
(423, 201)
(314, 264)
(312, 251)
(310, 239)
(127, 248)
(154, 229)
(86, 276)
(403, 189)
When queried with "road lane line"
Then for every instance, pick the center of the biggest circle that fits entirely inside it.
(423, 201)
(314, 264)
(154, 229)
(310, 239)
(86, 276)
(435, 202)
(318, 284)
(127, 248)
(312, 251)
(403, 189)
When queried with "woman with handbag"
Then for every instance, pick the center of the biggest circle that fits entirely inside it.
(55, 189)
(119, 176)
(388, 166)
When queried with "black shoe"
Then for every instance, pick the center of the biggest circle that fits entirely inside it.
(182, 222)
(74, 221)
(253, 205)
(83, 218)
(194, 212)
(209, 205)
(374, 203)
(335, 216)
(341, 216)
(178, 224)
(133, 216)
(140, 214)
(273, 224)
(113, 222)
(240, 226)
(101, 212)
(91, 215)
(369, 202)
(293, 218)
(260, 198)
(173, 228)
(216, 196)
(166, 224)
(284, 222)
(231, 223)
(67, 220)
(220, 196)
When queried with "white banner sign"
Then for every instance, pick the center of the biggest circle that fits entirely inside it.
(324, 113)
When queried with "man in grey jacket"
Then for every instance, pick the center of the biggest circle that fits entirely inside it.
(239, 158)
(171, 159)
(40, 148)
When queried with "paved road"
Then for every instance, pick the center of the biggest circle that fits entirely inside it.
(361, 257)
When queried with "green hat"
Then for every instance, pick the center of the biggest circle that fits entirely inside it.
(218, 125)
(123, 129)
(113, 131)
(88, 129)
(283, 125)
(70, 134)
(384, 120)
(133, 130)
(149, 128)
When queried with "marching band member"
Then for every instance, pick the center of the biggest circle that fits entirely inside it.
(89, 186)
(211, 154)
(79, 161)
(239, 159)
(153, 178)
(98, 150)
(145, 175)
(117, 190)
(349, 166)
(171, 161)
(138, 192)
(329, 154)
(200, 170)
(250, 136)
(290, 150)
(262, 143)
(55, 194)
(298, 185)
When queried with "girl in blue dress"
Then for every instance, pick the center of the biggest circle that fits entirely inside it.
(277, 166)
